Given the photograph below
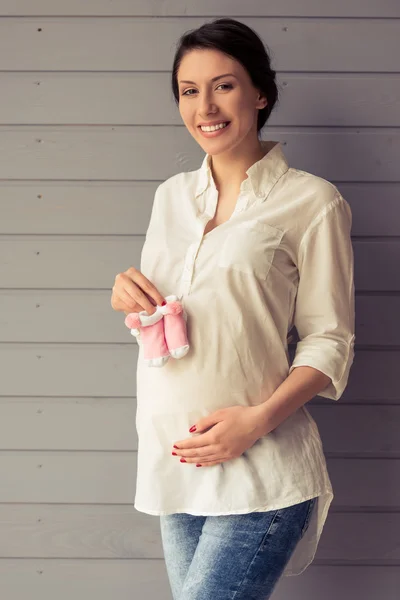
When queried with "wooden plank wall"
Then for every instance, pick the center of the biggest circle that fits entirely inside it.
(88, 130)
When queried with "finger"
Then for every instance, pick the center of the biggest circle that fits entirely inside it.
(142, 290)
(205, 459)
(129, 301)
(195, 442)
(213, 460)
(146, 304)
(193, 452)
(149, 289)
(125, 301)
(136, 298)
(150, 298)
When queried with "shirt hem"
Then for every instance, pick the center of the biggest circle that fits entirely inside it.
(293, 571)
(230, 512)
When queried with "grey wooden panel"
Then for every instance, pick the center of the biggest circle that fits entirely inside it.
(32, 315)
(133, 579)
(155, 153)
(122, 43)
(365, 482)
(376, 265)
(69, 370)
(377, 322)
(337, 100)
(110, 478)
(346, 583)
(113, 532)
(109, 424)
(134, 99)
(68, 423)
(94, 262)
(373, 205)
(373, 376)
(128, 579)
(105, 370)
(78, 531)
(124, 208)
(339, 8)
(369, 431)
(68, 477)
(78, 208)
(361, 538)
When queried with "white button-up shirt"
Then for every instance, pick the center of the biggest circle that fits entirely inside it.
(283, 258)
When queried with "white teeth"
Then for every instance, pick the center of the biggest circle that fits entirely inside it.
(214, 127)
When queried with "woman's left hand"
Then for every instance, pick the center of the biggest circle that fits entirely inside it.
(231, 431)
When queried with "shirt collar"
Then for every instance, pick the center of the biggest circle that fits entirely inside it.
(262, 175)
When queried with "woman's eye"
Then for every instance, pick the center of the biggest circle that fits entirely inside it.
(225, 85)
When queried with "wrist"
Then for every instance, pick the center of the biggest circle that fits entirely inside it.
(263, 425)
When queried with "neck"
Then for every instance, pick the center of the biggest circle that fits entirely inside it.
(229, 168)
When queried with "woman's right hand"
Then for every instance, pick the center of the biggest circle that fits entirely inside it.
(133, 292)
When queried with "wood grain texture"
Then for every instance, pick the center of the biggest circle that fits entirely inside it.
(184, 8)
(130, 153)
(122, 43)
(105, 370)
(92, 262)
(50, 208)
(133, 579)
(133, 98)
(109, 478)
(108, 424)
(120, 532)
(88, 129)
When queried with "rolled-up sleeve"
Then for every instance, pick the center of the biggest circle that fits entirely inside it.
(324, 314)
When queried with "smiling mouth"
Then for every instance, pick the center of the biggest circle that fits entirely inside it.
(221, 125)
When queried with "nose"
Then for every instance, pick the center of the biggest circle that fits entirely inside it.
(206, 106)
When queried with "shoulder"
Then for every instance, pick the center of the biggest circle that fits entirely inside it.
(314, 187)
(315, 196)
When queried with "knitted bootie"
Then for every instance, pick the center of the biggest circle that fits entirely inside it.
(149, 332)
(175, 327)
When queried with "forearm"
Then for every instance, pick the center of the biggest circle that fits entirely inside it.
(299, 387)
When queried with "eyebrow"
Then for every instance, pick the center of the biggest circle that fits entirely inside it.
(213, 79)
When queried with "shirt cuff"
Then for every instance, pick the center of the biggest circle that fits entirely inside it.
(333, 358)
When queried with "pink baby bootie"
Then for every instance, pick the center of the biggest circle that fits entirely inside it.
(175, 327)
(149, 332)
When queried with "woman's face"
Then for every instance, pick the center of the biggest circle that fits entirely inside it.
(230, 98)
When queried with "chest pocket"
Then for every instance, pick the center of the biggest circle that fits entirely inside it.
(250, 248)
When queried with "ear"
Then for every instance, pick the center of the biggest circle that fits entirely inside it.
(262, 101)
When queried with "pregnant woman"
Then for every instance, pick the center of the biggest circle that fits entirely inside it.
(229, 457)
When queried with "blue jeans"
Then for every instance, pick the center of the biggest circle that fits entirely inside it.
(231, 557)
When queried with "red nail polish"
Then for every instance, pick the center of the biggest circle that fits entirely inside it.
(192, 429)
(174, 453)
(199, 465)
(183, 460)
(164, 303)
(175, 446)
